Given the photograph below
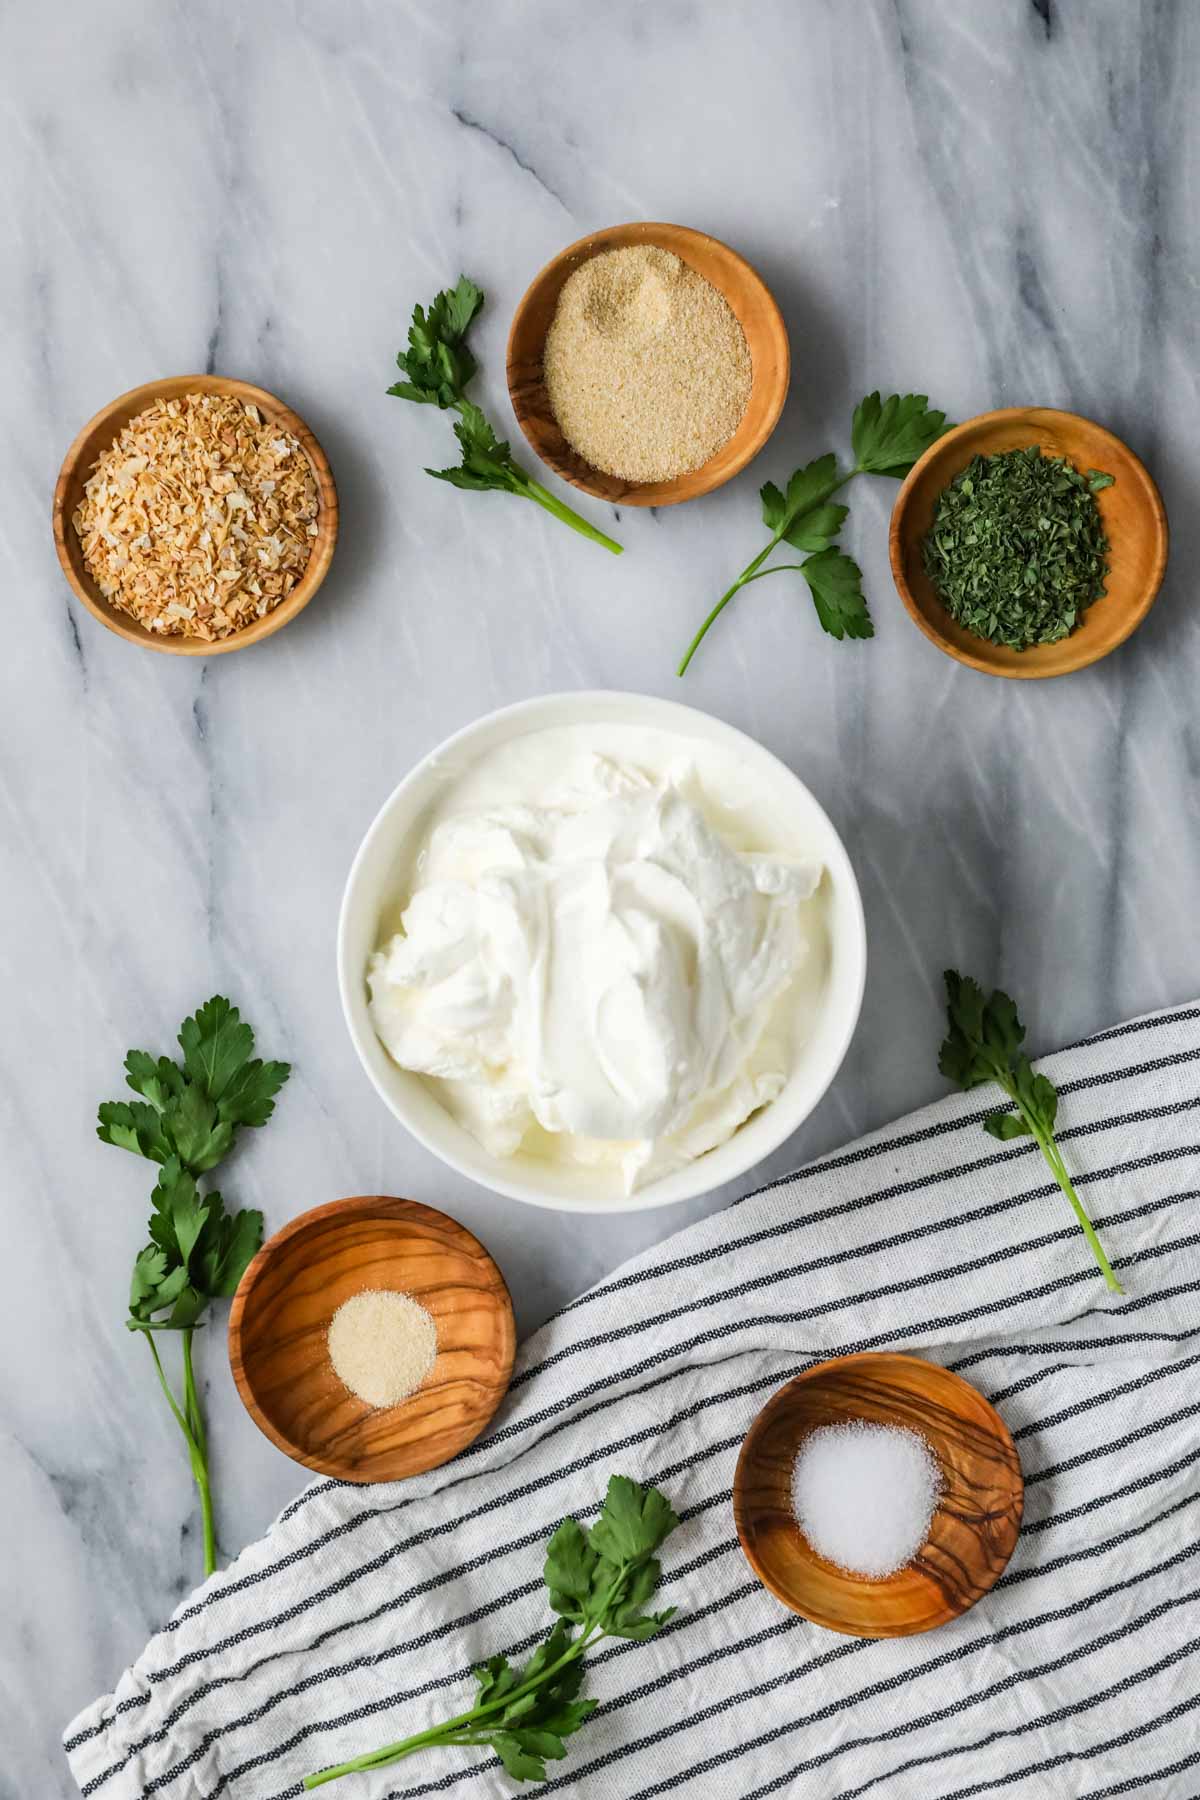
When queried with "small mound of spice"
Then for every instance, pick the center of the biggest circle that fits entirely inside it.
(864, 1495)
(1017, 549)
(382, 1344)
(199, 518)
(647, 369)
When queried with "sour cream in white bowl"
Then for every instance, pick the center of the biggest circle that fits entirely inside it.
(601, 952)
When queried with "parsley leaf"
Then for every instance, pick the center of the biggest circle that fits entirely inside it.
(599, 1580)
(438, 366)
(215, 1044)
(836, 583)
(131, 1126)
(160, 1082)
(808, 488)
(520, 1765)
(201, 1139)
(570, 1564)
(983, 1044)
(633, 1522)
(225, 1248)
(198, 1252)
(818, 529)
(193, 1112)
(454, 309)
(149, 1269)
(888, 437)
(437, 362)
(486, 461)
(181, 1211)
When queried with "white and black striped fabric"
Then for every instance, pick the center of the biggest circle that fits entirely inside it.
(357, 1618)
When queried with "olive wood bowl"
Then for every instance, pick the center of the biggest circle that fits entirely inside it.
(974, 1528)
(96, 437)
(1131, 510)
(280, 1317)
(753, 305)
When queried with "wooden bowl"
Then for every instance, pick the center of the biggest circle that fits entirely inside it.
(1134, 522)
(96, 437)
(974, 1529)
(280, 1318)
(756, 312)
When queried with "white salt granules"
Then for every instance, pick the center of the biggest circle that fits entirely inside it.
(864, 1495)
(382, 1345)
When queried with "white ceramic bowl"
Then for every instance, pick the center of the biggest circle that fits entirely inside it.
(378, 877)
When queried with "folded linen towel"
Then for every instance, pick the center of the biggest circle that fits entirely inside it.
(356, 1619)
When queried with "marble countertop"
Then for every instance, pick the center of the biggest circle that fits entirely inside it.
(993, 204)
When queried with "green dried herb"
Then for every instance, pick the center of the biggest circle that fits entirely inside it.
(1017, 549)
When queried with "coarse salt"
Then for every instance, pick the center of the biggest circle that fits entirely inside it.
(864, 1495)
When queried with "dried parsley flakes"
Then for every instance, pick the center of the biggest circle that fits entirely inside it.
(1017, 549)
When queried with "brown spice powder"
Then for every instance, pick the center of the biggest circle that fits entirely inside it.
(647, 370)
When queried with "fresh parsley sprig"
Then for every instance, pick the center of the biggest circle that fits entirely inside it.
(194, 1112)
(887, 438)
(187, 1119)
(984, 1044)
(438, 366)
(600, 1582)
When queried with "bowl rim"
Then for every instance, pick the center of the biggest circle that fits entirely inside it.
(132, 401)
(1030, 670)
(821, 1368)
(349, 1209)
(707, 1172)
(652, 493)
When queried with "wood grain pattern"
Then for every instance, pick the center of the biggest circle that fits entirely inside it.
(756, 311)
(280, 1317)
(974, 1529)
(1134, 522)
(100, 432)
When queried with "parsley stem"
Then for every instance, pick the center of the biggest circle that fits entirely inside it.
(754, 570)
(196, 1453)
(191, 1408)
(775, 569)
(451, 1730)
(200, 1463)
(533, 490)
(748, 574)
(1054, 1161)
(1058, 1169)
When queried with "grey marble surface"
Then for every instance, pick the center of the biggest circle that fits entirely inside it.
(993, 203)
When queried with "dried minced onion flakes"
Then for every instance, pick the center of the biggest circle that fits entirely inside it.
(200, 518)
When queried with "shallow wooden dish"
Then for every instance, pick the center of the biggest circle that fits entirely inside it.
(281, 1313)
(1134, 522)
(95, 438)
(975, 1526)
(756, 311)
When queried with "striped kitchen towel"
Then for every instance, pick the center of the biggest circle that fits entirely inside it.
(357, 1618)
